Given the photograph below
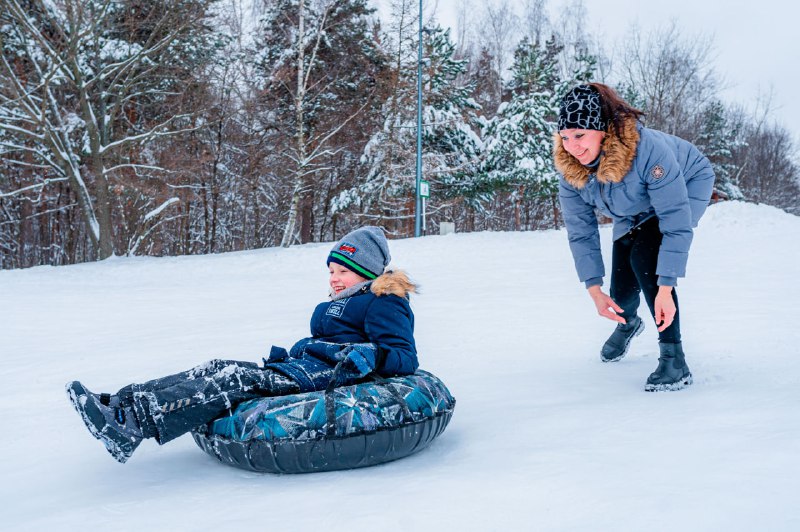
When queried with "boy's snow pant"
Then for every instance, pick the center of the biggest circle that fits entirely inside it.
(171, 406)
(634, 261)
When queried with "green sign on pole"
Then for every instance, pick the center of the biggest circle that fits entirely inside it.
(424, 189)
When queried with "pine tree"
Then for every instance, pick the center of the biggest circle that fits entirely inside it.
(717, 140)
(450, 145)
(385, 194)
(488, 85)
(518, 140)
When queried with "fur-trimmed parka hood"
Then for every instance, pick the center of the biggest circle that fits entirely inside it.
(393, 282)
(616, 156)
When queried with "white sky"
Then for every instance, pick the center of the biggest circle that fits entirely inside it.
(756, 43)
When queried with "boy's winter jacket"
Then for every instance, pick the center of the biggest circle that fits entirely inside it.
(641, 173)
(368, 327)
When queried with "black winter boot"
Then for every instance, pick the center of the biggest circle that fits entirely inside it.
(672, 372)
(109, 421)
(620, 340)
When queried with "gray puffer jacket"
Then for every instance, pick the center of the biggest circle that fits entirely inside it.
(642, 173)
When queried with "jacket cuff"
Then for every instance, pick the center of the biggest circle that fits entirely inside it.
(380, 357)
(594, 281)
(667, 281)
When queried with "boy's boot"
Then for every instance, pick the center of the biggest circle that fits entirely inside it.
(620, 340)
(112, 423)
(672, 372)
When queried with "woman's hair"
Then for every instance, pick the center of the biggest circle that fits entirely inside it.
(614, 109)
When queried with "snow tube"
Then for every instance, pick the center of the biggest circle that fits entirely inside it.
(341, 428)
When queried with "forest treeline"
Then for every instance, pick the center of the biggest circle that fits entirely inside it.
(166, 127)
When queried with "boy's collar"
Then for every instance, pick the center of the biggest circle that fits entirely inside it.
(353, 290)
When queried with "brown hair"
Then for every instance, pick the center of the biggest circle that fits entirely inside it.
(614, 109)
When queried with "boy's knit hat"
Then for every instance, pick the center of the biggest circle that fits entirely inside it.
(580, 109)
(364, 251)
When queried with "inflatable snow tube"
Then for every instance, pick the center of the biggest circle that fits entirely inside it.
(344, 428)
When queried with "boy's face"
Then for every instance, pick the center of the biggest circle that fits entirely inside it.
(342, 278)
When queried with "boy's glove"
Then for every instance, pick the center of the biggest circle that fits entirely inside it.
(359, 359)
(310, 359)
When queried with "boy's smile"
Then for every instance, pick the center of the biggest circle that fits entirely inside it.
(342, 278)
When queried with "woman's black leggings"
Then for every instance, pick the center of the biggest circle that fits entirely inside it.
(634, 260)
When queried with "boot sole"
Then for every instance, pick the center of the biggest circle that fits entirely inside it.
(636, 333)
(92, 417)
(674, 387)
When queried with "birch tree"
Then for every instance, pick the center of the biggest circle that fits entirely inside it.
(319, 61)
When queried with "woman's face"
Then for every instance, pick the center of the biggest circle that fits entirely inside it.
(342, 278)
(583, 144)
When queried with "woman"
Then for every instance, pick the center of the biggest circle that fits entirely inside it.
(366, 327)
(655, 187)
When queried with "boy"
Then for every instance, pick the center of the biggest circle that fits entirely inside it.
(367, 326)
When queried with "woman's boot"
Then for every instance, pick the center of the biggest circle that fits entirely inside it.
(620, 340)
(672, 372)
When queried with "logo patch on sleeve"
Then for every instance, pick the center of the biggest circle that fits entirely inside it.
(347, 249)
(657, 171)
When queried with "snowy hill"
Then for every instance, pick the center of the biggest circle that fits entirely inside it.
(544, 436)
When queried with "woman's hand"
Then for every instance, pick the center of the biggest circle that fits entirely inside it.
(665, 307)
(605, 305)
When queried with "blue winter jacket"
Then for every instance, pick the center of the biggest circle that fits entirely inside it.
(368, 327)
(642, 173)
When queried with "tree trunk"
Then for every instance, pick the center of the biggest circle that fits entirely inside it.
(294, 207)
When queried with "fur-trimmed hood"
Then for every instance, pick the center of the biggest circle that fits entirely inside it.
(393, 282)
(616, 156)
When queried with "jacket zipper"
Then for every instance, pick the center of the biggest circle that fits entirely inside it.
(602, 196)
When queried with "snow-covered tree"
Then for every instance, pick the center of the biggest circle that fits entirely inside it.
(77, 80)
(518, 139)
(450, 142)
(318, 62)
(450, 145)
(488, 84)
(717, 140)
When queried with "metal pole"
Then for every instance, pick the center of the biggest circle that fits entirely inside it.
(417, 206)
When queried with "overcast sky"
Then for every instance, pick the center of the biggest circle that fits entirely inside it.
(756, 44)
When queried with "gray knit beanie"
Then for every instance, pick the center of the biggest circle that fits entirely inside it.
(364, 251)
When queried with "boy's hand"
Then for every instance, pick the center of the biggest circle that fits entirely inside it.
(360, 358)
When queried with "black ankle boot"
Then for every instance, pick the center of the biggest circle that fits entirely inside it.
(672, 372)
(620, 340)
(108, 420)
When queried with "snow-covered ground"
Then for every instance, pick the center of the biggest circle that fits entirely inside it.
(544, 436)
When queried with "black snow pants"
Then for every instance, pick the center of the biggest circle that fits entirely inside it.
(634, 261)
(171, 406)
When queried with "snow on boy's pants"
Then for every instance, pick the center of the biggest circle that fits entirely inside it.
(171, 406)
(634, 261)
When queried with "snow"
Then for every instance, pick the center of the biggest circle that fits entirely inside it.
(158, 210)
(544, 436)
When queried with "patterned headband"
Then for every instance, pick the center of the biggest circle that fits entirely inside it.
(580, 109)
